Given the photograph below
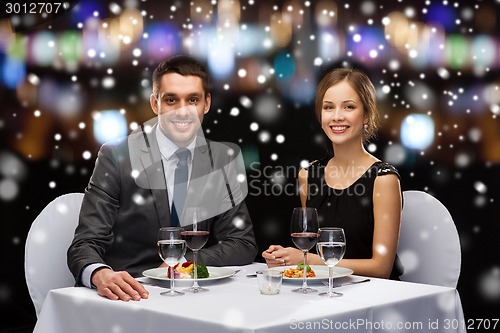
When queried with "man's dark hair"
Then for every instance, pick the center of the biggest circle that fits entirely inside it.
(183, 65)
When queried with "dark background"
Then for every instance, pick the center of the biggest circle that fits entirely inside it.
(460, 167)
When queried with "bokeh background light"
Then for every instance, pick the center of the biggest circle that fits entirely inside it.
(109, 125)
(442, 14)
(417, 131)
(70, 47)
(284, 66)
(221, 60)
(162, 41)
(368, 44)
(13, 72)
(43, 48)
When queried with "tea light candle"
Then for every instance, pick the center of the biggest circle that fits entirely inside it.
(269, 290)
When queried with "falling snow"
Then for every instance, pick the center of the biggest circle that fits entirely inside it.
(437, 87)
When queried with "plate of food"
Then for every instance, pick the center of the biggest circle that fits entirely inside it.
(184, 272)
(314, 272)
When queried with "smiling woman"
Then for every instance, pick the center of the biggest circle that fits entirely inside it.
(358, 91)
(352, 189)
(341, 116)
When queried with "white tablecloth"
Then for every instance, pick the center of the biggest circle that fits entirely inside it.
(236, 305)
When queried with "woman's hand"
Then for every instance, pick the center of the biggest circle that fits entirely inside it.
(277, 255)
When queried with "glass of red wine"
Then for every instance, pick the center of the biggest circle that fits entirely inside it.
(304, 232)
(196, 236)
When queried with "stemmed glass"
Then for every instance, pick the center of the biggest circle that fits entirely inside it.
(171, 248)
(304, 232)
(331, 248)
(196, 236)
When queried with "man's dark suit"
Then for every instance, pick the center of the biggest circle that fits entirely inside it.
(126, 202)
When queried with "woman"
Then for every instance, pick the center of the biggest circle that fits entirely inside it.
(353, 189)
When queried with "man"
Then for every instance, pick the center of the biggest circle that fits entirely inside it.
(131, 192)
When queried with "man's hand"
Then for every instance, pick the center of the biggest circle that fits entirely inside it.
(118, 285)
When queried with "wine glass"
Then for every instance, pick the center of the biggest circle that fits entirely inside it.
(196, 236)
(331, 248)
(304, 232)
(171, 248)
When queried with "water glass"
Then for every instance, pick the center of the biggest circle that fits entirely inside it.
(269, 281)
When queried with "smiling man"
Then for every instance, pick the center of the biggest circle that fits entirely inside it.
(133, 190)
(180, 101)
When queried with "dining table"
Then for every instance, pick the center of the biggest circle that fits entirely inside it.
(235, 304)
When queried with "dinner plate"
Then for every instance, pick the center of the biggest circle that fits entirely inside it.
(321, 272)
(215, 273)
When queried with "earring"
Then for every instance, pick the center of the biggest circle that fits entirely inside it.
(365, 126)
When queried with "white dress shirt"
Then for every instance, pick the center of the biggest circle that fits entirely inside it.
(170, 161)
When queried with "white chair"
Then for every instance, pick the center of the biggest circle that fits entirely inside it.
(429, 247)
(46, 245)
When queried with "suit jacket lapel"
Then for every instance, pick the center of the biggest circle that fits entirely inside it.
(153, 166)
(201, 162)
(199, 174)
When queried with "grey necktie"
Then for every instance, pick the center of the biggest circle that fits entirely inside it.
(180, 185)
